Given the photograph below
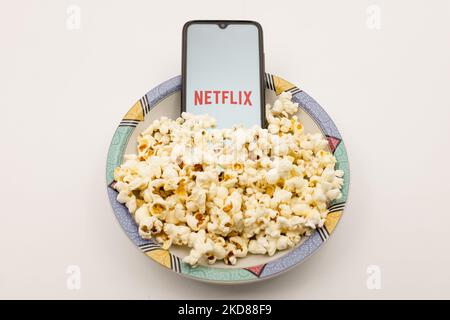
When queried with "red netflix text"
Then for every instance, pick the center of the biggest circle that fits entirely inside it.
(208, 97)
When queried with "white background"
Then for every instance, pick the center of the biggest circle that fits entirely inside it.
(64, 91)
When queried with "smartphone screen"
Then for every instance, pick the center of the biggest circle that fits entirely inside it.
(223, 71)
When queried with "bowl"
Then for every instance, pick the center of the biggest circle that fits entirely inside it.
(165, 100)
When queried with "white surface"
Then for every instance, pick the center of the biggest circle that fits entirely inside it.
(63, 93)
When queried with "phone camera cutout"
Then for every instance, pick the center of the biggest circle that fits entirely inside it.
(222, 25)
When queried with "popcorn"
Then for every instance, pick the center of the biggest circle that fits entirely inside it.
(240, 246)
(272, 176)
(225, 193)
(197, 221)
(178, 235)
(149, 226)
(281, 195)
(256, 247)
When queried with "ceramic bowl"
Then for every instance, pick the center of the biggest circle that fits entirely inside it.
(164, 100)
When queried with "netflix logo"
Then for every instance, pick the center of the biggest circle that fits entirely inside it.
(222, 97)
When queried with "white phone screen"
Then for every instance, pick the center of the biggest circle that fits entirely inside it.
(223, 73)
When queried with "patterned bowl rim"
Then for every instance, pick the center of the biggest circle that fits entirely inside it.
(275, 267)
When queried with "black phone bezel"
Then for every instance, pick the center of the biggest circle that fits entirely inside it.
(261, 60)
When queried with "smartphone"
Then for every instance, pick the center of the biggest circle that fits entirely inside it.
(223, 71)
